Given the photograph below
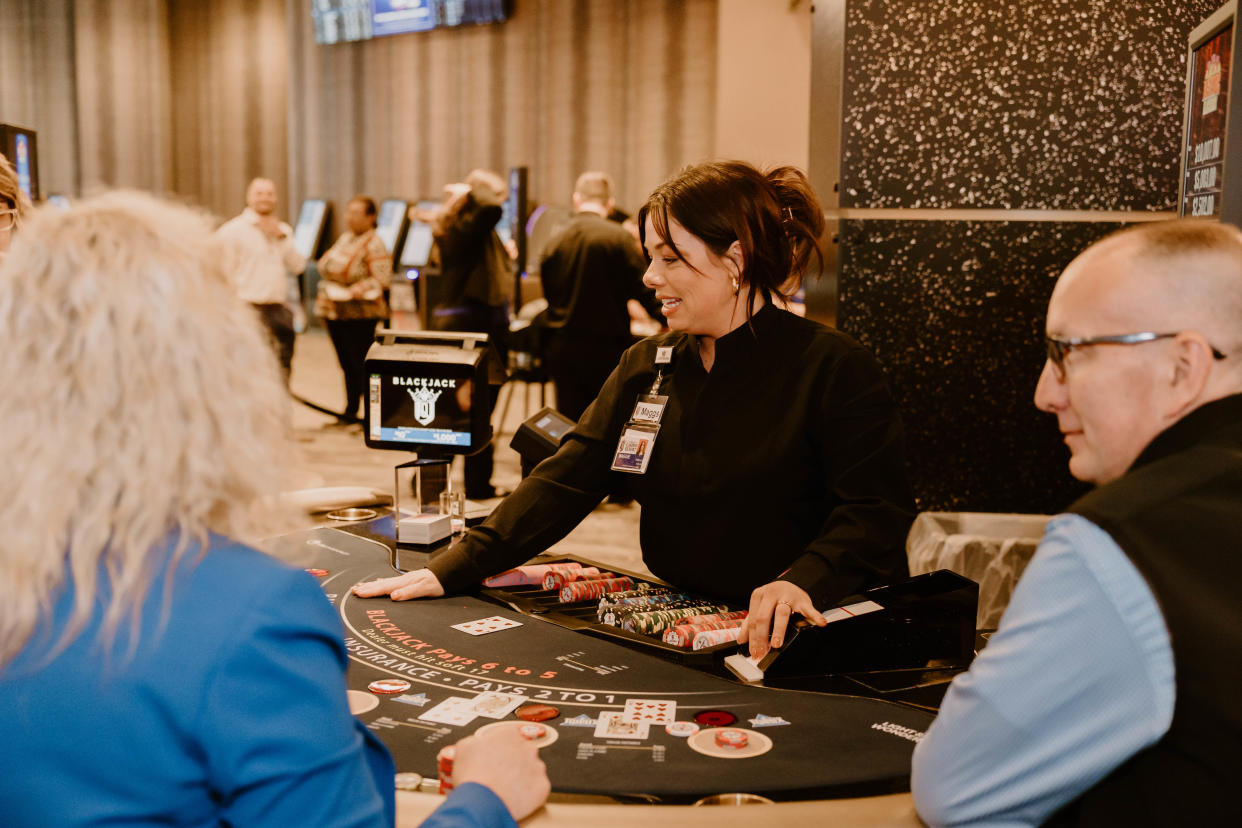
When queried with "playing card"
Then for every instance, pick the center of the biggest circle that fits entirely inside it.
(649, 711)
(496, 705)
(487, 625)
(454, 710)
(612, 725)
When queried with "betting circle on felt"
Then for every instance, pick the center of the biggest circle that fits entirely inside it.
(833, 746)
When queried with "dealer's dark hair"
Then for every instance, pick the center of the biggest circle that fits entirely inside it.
(774, 216)
(368, 206)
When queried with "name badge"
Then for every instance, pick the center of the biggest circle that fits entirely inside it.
(649, 408)
(635, 447)
(664, 356)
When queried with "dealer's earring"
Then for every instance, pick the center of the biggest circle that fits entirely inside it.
(735, 286)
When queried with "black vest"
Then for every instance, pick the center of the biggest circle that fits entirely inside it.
(1177, 514)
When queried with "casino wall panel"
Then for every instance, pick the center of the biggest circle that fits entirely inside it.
(983, 144)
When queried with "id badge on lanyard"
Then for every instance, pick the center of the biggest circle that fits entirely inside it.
(638, 437)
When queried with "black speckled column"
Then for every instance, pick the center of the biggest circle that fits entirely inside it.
(993, 105)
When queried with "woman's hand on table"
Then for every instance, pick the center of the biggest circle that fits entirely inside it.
(419, 583)
(508, 764)
(771, 606)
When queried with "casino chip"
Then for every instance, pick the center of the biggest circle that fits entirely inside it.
(318, 573)
(732, 739)
(681, 728)
(715, 718)
(408, 781)
(389, 687)
(536, 712)
(533, 731)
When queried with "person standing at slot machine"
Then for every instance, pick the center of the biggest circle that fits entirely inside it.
(764, 448)
(13, 204)
(355, 272)
(475, 273)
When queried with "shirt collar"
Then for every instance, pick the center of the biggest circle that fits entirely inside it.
(748, 335)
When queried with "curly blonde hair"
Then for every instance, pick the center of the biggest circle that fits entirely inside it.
(9, 191)
(143, 407)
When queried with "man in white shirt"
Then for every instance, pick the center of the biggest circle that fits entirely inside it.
(259, 253)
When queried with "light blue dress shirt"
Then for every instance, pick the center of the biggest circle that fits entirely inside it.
(1078, 679)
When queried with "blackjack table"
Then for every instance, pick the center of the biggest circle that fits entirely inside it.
(619, 729)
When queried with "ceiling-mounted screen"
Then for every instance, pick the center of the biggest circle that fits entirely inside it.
(341, 21)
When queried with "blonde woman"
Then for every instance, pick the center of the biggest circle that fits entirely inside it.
(154, 669)
(13, 204)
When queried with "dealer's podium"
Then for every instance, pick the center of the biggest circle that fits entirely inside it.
(820, 754)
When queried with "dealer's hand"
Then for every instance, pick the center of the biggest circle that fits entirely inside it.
(771, 605)
(509, 764)
(420, 583)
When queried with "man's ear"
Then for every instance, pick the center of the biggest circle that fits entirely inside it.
(1190, 370)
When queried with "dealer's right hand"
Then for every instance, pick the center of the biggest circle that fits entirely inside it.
(420, 583)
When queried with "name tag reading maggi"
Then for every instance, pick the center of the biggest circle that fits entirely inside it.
(649, 408)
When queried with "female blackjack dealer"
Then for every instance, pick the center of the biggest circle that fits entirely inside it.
(765, 449)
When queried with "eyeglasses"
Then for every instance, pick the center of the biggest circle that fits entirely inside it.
(8, 219)
(1059, 349)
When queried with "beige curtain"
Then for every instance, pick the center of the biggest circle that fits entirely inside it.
(196, 97)
(626, 86)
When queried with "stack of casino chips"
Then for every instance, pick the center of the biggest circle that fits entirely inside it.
(587, 590)
(700, 631)
(532, 575)
(444, 766)
(557, 578)
(731, 738)
(610, 606)
(655, 621)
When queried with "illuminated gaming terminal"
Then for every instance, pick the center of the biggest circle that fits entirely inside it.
(561, 412)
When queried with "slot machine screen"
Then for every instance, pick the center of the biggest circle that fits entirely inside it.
(389, 223)
(308, 232)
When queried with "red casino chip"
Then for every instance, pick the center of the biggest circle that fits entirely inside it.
(735, 739)
(318, 573)
(389, 687)
(533, 731)
(715, 718)
(536, 712)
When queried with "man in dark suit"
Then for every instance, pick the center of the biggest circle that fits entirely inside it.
(591, 271)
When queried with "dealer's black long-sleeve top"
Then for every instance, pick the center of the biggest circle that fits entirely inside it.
(785, 461)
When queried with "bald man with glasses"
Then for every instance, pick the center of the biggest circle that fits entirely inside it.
(1109, 695)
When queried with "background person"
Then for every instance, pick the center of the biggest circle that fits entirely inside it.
(356, 271)
(590, 272)
(212, 676)
(778, 474)
(13, 204)
(1109, 694)
(476, 272)
(260, 256)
